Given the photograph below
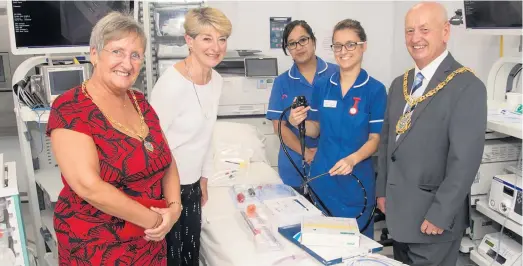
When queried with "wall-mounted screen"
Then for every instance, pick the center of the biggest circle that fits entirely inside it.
(497, 17)
(46, 27)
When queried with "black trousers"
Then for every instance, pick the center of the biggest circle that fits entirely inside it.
(183, 241)
(435, 254)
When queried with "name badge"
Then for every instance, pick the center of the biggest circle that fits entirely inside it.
(329, 103)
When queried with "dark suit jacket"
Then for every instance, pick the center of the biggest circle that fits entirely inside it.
(427, 173)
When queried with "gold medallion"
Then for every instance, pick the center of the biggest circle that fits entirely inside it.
(405, 120)
(404, 123)
(149, 146)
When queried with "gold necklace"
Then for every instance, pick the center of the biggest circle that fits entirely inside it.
(405, 120)
(188, 69)
(143, 131)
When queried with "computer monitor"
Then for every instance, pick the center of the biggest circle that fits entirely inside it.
(261, 67)
(50, 27)
(493, 17)
(60, 78)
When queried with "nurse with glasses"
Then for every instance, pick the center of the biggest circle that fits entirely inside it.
(347, 111)
(300, 79)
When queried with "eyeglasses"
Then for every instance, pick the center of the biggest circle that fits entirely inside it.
(303, 41)
(350, 46)
(121, 54)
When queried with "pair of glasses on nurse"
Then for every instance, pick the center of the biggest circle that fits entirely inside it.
(121, 54)
(350, 46)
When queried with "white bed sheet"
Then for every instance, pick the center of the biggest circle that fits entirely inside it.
(225, 238)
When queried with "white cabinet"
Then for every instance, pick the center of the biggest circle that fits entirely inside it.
(272, 141)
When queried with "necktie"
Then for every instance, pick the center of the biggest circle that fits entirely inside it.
(418, 81)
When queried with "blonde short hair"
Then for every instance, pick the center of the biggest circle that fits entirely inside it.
(199, 18)
(115, 26)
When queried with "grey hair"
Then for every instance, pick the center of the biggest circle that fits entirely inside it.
(115, 26)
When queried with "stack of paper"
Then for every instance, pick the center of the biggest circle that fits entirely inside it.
(330, 231)
(328, 255)
(291, 210)
(504, 116)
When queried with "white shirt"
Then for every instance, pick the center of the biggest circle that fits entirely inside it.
(183, 121)
(427, 72)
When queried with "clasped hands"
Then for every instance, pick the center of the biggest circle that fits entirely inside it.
(167, 218)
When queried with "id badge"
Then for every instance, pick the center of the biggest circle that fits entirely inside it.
(329, 103)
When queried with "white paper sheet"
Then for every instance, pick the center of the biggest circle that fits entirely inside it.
(504, 116)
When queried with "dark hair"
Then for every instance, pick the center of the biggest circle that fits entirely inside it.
(353, 25)
(288, 29)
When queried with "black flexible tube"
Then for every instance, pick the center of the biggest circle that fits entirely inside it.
(284, 147)
(306, 181)
(362, 189)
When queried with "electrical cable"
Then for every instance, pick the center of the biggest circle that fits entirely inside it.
(500, 239)
(33, 257)
(517, 79)
(308, 189)
(357, 262)
(24, 97)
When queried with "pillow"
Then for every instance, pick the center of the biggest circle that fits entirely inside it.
(245, 138)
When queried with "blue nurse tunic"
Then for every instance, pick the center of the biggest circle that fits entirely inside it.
(341, 134)
(286, 87)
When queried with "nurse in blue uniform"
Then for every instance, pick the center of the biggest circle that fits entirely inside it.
(347, 111)
(300, 79)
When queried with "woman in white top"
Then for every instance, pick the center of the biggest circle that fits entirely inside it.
(185, 97)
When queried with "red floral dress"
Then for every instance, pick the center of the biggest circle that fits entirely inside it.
(86, 235)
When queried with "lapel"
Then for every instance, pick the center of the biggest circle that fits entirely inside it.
(444, 69)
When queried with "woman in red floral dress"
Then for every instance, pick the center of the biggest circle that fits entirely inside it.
(121, 190)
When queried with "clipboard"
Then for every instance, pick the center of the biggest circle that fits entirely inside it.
(292, 230)
(292, 233)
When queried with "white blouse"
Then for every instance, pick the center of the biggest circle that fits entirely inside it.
(187, 124)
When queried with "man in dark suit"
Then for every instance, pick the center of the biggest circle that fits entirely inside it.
(431, 144)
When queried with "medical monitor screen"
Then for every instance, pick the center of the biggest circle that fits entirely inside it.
(62, 81)
(493, 14)
(44, 24)
(261, 67)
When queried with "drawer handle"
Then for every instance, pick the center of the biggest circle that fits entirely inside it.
(247, 111)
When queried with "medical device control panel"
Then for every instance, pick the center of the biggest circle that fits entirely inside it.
(501, 248)
(506, 196)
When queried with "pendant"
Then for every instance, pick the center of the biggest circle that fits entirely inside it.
(148, 146)
(354, 109)
(403, 123)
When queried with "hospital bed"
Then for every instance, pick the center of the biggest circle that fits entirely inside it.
(225, 237)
